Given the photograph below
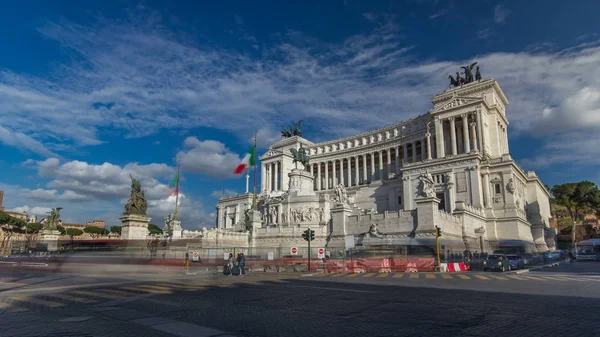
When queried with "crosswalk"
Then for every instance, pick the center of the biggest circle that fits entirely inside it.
(94, 296)
(456, 276)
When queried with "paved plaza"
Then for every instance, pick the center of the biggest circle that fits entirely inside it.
(546, 302)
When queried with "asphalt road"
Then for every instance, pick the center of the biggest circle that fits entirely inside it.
(549, 302)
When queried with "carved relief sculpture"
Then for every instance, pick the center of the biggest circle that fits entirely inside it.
(137, 200)
(374, 231)
(340, 194)
(426, 185)
(511, 186)
(273, 212)
(53, 219)
(284, 216)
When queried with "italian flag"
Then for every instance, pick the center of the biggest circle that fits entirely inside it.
(246, 162)
(174, 184)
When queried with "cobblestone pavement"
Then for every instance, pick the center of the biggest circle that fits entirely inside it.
(290, 305)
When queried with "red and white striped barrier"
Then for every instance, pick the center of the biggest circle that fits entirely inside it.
(453, 267)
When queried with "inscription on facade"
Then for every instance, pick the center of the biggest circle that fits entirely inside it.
(461, 182)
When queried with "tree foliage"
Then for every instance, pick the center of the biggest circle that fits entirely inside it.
(34, 227)
(154, 229)
(74, 232)
(95, 231)
(579, 198)
(116, 229)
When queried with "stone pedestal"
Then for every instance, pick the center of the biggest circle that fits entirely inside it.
(301, 183)
(50, 239)
(177, 230)
(539, 239)
(426, 208)
(134, 226)
(339, 214)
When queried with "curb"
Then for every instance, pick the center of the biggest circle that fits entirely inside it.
(523, 271)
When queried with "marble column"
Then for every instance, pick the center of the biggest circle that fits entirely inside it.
(263, 176)
(414, 152)
(342, 180)
(397, 161)
(486, 190)
(439, 137)
(318, 176)
(364, 162)
(326, 175)
(428, 140)
(474, 136)
(381, 165)
(334, 168)
(465, 129)
(405, 150)
(356, 171)
(349, 171)
(372, 166)
(453, 136)
(389, 162)
(481, 132)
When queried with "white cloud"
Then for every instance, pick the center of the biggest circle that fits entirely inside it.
(40, 212)
(23, 141)
(209, 157)
(500, 13)
(138, 77)
(221, 193)
(86, 191)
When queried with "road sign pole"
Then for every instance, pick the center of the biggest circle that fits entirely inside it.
(437, 246)
(309, 249)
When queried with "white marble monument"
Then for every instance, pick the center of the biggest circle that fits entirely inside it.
(449, 167)
(134, 222)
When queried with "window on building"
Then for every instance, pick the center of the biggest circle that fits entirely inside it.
(399, 200)
(497, 188)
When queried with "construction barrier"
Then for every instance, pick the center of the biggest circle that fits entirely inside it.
(380, 265)
(453, 267)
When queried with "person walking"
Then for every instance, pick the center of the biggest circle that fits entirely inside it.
(242, 264)
(230, 264)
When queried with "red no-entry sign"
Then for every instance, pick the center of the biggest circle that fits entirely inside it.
(294, 250)
(321, 253)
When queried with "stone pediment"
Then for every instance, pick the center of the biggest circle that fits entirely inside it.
(457, 102)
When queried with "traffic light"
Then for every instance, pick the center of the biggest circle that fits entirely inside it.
(306, 235)
(312, 235)
(438, 232)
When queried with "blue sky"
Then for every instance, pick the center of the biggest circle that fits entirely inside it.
(92, 91)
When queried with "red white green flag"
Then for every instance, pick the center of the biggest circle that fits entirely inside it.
(174, 184)
(247, 162)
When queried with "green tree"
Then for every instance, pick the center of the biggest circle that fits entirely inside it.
(116, 229)
(34, 227)
(579, 198)
(61, 229)
(10, 225)
(94, 231)
(154, 229)
(72, 232)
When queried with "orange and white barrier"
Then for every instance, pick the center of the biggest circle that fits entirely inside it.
(453, 267)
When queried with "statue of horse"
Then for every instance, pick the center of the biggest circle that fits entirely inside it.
(300, 156)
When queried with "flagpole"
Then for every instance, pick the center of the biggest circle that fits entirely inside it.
(176, 216)
(254, 202)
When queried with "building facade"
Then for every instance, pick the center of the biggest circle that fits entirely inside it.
(450, 167)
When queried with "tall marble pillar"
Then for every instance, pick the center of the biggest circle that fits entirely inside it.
(453, 136)
(465, 129)
(439, 136)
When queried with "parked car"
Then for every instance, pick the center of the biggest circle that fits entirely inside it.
(496, 262)
(515, 261)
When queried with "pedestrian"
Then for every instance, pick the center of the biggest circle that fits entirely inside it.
(230, 264)
(242, 264)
